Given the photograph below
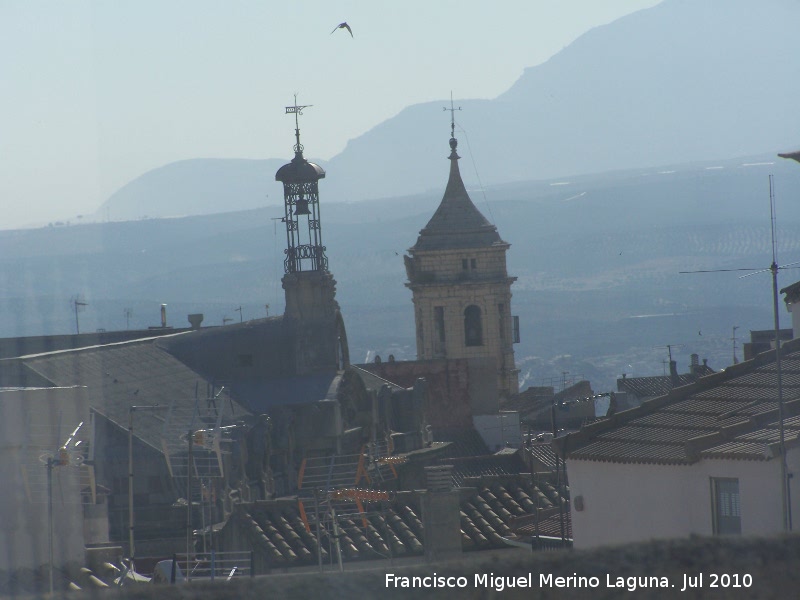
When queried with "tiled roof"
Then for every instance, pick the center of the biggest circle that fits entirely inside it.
(488, 514)
(732, 415)
(549, 526)
(581, 389)
(477, 466)
(542, 453)
(534, 401)
(530, 399)
(649, 387)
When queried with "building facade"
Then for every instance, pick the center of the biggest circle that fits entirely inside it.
(461, 288)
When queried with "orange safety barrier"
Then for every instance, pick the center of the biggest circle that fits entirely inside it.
(303, 516)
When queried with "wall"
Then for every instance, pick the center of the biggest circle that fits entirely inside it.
(638, 502)
(439, 279)
(34, 422)
(448, 383)
(499, 431)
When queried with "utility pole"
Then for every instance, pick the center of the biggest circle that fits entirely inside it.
(773, 269)
(131, 411)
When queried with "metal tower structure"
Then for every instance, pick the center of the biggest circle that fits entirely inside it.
(304, 249)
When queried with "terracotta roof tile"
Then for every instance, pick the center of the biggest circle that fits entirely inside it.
(274, 529)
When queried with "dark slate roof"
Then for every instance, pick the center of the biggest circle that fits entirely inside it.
(260, 395)
(732, 414)
(299, 170)
(120, 375)
(463, 442)
(40, 344)
(457, 223)
(217, 352)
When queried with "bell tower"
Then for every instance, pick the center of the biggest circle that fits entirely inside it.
(309, 287)
(460, 285)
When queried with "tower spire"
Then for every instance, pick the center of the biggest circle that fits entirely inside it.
(453, 141)
(304, 248)
(297, 110)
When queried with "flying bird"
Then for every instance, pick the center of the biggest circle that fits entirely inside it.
(343, 26)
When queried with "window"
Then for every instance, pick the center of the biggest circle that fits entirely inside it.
(725, 506)
(473, 330)
(438, 325)
(473, 263)
(501, 310)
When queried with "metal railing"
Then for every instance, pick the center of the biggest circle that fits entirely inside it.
(209, 566)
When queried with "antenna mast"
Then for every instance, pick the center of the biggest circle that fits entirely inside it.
(787, 517)
(79, 305)
(773, 268)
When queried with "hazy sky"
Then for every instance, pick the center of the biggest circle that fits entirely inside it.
(95, 93)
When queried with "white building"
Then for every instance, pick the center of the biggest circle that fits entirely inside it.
(704, 459)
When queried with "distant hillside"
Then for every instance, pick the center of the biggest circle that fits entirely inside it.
(194, 187)
(683, 81)
(596, 257)
(686, 80)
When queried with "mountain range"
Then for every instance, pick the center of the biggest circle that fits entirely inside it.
(597, 257)
(684, 81)
(641, 150)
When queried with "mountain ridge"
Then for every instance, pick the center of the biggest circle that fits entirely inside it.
(683, 81)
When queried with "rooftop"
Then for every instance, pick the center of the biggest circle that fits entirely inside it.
(457, 223)
(732, 414)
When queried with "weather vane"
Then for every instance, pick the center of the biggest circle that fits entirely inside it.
(452, 116)
(297, 110)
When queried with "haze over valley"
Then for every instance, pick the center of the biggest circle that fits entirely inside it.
(640, 150)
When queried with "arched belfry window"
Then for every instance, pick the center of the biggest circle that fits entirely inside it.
(473, 329)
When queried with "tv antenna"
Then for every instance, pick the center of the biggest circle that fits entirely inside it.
(669, 348)
(69, 454)
(733, 339)
(773, 268)
(239, 310)
(128, 312)
(79, 304)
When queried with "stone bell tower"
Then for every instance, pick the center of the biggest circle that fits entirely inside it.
(461, 288)
(310, 289)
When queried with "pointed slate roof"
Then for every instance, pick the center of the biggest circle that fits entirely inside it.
(457, 223)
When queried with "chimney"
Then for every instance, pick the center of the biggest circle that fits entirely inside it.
(441, 519)
(673, 373)
(195, 319)
(163, 315)
(694, 364)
